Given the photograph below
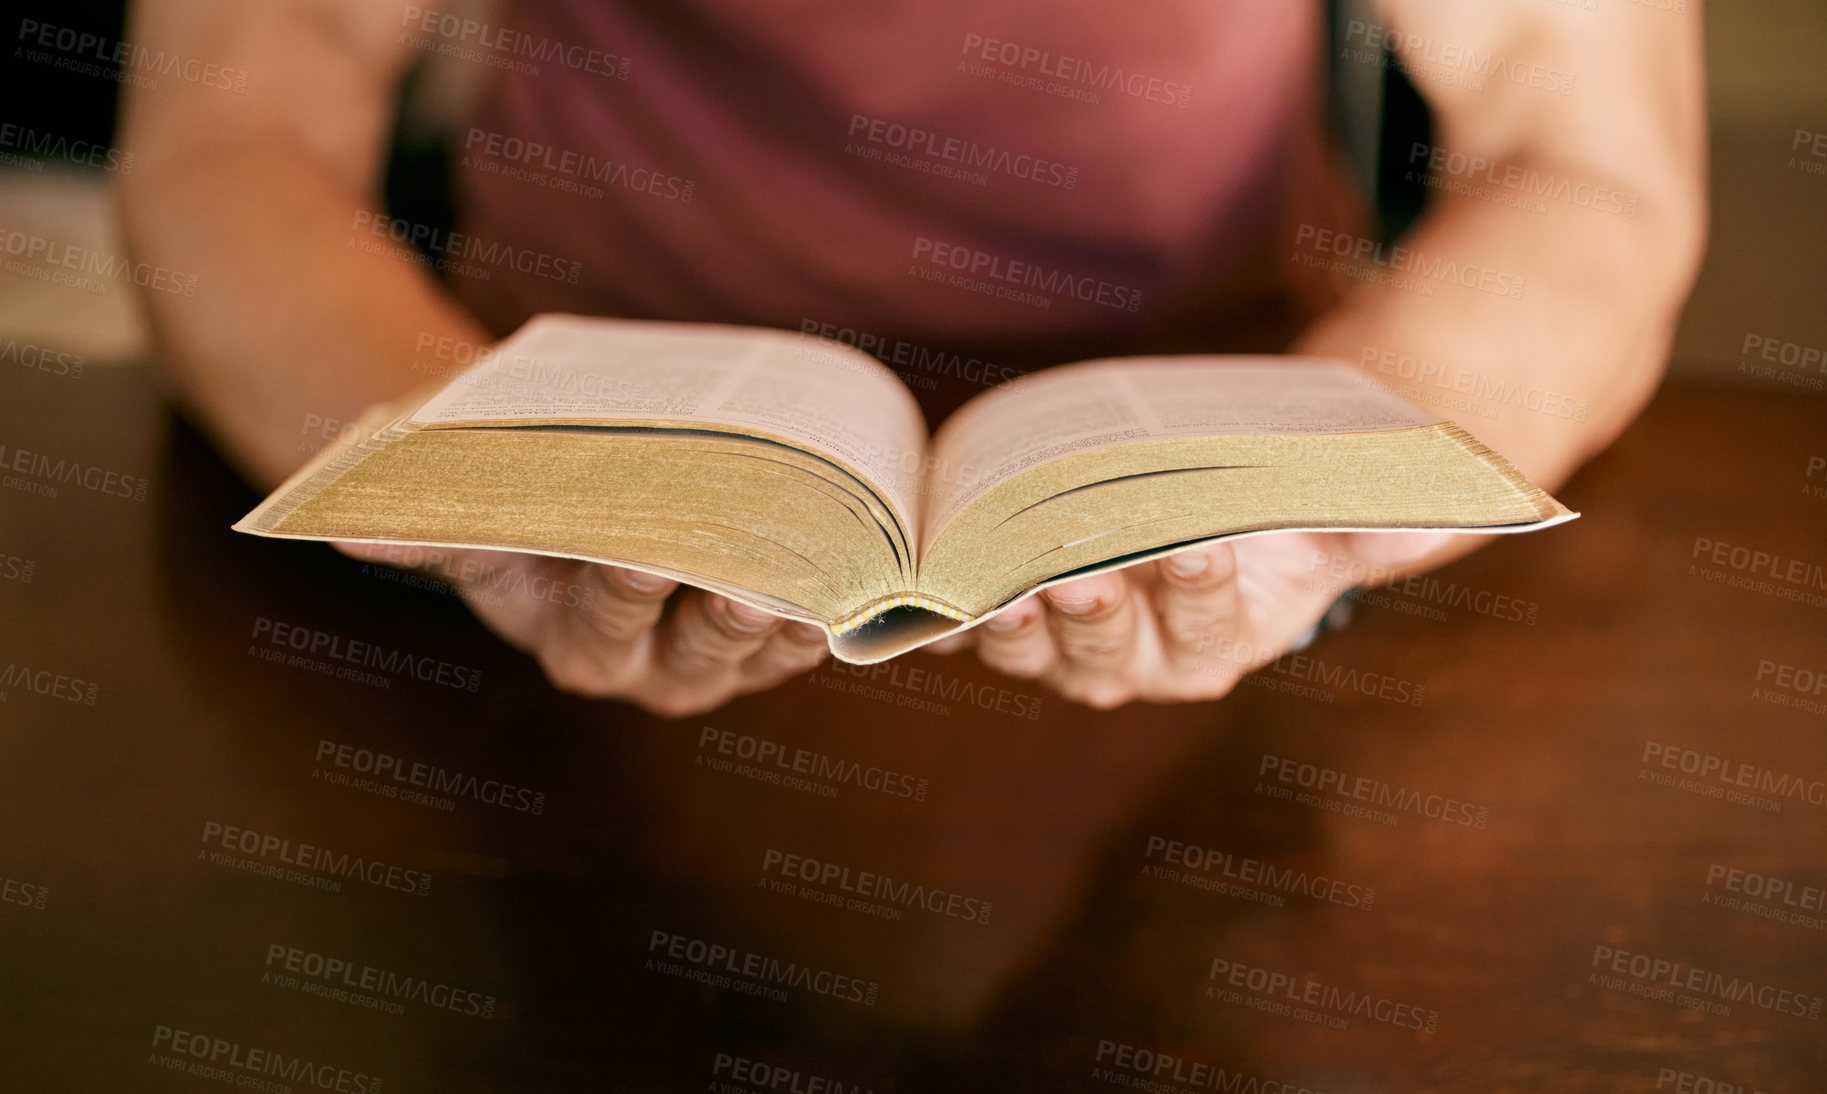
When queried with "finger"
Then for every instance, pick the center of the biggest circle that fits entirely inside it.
(789, 651)
(1016, 642)
(1093, 620)
(708, 637)
(1196, 604)
(597, 648)
(624, 605)
(953, 643)
(1395, 553)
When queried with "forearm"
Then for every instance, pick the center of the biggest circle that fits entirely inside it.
(256, 193)
(1558, 350)
(1549, 373)
(291, 323)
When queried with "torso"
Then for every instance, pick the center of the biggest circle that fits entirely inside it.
(1098, 179)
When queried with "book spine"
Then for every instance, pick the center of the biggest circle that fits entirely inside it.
(887, 604)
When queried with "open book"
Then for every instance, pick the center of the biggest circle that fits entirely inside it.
(796, 474)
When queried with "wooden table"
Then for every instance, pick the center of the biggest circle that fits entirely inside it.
(1554, 823)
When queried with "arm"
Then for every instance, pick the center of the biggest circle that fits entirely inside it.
(1594, 322)
(1602, 289)
(257, 193)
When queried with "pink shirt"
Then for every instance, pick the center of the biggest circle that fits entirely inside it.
(1071, 177)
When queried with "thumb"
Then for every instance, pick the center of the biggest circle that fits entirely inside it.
(1397, 550)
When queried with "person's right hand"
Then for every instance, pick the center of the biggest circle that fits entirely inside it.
(612, 633)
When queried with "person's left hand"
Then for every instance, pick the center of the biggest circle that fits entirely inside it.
(1188, 627)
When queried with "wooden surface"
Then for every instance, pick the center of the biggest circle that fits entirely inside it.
(1492, 927)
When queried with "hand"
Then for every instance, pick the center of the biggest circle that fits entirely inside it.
(607, 632)
(1188, 627)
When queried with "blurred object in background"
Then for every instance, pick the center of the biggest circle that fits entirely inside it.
(1765, 267)
(57, 164)
(71, 209)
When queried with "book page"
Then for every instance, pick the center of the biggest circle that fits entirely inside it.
(1075, 408)
(829, 399)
